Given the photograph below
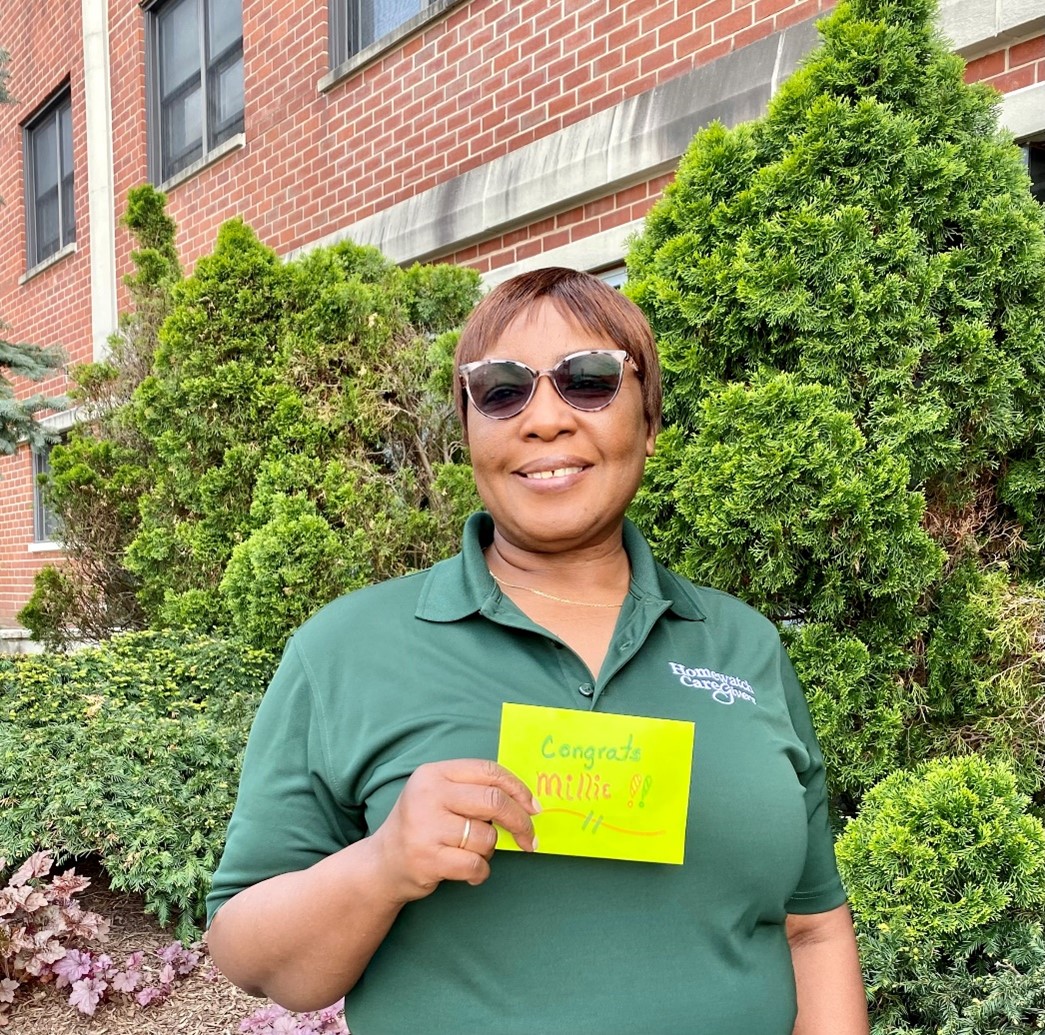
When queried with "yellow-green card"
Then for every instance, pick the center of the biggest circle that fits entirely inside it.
(610, 786)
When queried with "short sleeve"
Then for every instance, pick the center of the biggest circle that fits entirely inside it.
(820, 888)
(287, 816)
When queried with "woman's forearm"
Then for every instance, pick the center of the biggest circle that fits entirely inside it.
(303, 939)
(831, 998)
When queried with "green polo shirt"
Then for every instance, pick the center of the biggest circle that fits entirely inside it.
(415, 670)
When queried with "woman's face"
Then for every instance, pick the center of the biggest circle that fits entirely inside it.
(598, 457)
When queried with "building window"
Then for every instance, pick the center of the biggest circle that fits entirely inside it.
(355, 24)
(1034, 152)
(50, 220)
(615, 276)
(45, 521)
(195, 80)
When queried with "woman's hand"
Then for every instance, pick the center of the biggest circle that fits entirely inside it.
(302, 938)
(440, 828)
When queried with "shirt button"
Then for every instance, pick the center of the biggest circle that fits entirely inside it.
(586, 689)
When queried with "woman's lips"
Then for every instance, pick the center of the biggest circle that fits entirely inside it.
(557, 472)
(554, 473)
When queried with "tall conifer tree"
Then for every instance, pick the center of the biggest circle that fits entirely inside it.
(849, 295)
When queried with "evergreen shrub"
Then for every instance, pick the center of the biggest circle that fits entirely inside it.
(263, 436)
(99, 474)
(130, 751)
(304, 441)
(849, 298)
(945, 869)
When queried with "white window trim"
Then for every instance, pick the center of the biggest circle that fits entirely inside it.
(51, 260)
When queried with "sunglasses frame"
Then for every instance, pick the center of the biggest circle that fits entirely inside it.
(621, 355)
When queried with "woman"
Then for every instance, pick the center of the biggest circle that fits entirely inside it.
(360, 856)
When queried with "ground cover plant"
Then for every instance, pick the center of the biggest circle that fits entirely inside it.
(129, 751)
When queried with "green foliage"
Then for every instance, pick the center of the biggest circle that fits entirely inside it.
(984, 689)
(945, 870)
(849, 298)
(98, 476)
(303, 434)
(130, 751)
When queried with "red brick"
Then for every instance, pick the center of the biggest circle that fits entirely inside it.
(767, 8)
(711, 11)
(1014, 80)
(1026, 52)
(985, 67)
(732, 23)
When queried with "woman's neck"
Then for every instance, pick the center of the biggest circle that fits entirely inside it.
(597, 574)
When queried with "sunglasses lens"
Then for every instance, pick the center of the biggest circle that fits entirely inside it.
(500, 389)
(589, 381)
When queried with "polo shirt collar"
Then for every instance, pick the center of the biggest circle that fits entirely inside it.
(462, 585)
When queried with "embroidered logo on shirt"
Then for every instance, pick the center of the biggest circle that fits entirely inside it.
(723, 689)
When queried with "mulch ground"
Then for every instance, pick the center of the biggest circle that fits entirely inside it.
(204, 1003)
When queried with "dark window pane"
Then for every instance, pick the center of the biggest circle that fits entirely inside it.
(68, 212)
(226, 99)
(65, 162)
(49, 203)
(224, 27)
(179, 45)
(182, 131)
(45, 156)
(388, 15)
(1035, 151)
(45, 521)
(48, 228)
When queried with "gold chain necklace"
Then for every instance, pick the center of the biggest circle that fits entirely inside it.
(550, 596)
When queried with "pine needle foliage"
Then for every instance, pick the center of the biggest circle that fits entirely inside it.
(849, 298)
(946, 874)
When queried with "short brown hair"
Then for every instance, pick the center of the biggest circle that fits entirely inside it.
(591, 302)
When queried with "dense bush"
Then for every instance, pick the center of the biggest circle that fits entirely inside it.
(130, 751)
(264, 436)
(849, 297)
(945, 870)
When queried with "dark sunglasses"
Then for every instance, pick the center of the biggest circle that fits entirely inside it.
(503, 388)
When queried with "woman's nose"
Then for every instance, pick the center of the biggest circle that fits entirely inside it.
(548, 415)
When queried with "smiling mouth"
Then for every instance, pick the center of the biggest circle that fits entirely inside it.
(559, 472)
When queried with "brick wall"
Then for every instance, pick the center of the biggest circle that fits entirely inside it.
(563, 228)
(1012, 68)
(44, 40)
(485, 79)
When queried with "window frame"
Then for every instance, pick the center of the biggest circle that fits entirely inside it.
(343, 58)
(45, 521)
(214, 137)
(51, 110)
